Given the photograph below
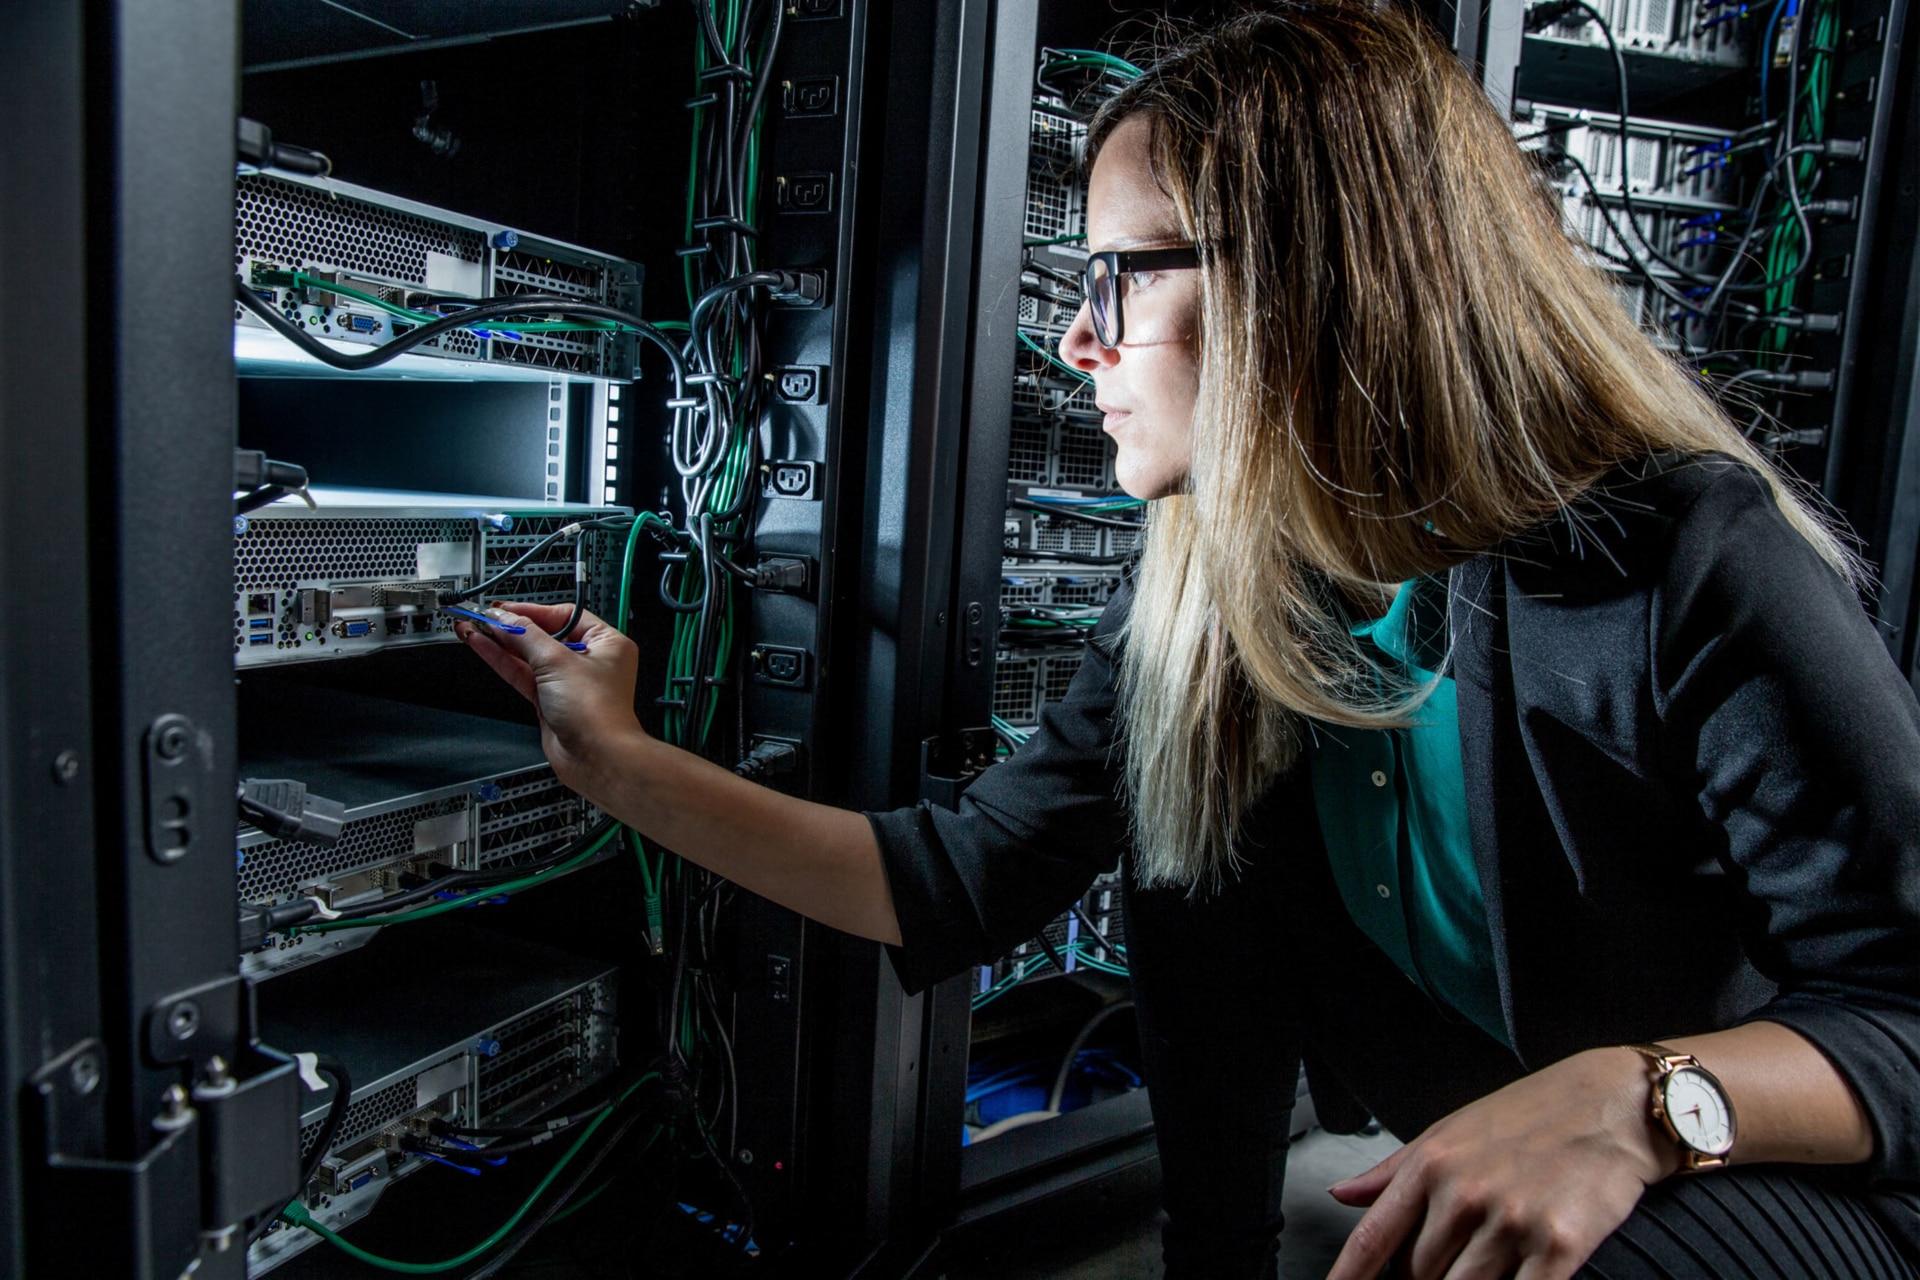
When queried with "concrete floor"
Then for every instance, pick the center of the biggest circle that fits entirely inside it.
(1317, 1225)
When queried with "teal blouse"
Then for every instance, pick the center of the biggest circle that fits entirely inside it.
(1393, 810)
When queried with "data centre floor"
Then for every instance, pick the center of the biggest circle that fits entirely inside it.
(1126, 1245)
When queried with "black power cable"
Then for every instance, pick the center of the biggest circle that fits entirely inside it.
(336, 1073)
(489, 309)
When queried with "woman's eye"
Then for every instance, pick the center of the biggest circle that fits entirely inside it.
(1139, 279)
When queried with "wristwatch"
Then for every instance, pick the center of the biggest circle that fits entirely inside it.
(1691, 1105)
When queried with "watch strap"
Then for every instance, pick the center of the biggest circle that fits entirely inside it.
(1662, 1057)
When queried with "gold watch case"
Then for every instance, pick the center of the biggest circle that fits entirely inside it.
(1692, 1106)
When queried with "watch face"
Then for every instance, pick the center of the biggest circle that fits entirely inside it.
(1698, 1111)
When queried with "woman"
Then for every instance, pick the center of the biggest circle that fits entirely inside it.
(1623, 761)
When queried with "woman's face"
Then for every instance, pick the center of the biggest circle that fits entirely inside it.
(1148, 384)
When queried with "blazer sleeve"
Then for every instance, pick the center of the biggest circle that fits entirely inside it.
(1782, 709)
(1028, 838)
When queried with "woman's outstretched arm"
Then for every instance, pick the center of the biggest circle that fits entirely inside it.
(819, 861)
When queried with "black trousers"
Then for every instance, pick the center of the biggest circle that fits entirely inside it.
(1235, 990)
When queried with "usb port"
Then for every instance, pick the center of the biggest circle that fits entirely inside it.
(260, 624)
(260, 639)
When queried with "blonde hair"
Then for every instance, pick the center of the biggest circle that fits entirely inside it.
(1404, 362)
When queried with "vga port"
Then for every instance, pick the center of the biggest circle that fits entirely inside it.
(357, 324)
(353, 630)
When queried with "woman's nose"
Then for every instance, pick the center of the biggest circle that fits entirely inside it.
(1080, 348)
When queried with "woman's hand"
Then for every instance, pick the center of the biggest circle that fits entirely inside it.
(1528, 1180)
(585, 700)
(819, 861)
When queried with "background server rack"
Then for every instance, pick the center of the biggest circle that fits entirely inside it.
(918, 456)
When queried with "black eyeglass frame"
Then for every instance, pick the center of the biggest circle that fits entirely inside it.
(1120, 262)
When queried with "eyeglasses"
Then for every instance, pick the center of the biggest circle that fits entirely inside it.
(1100, 282)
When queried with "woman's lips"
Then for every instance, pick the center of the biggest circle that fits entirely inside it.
(1113, 416)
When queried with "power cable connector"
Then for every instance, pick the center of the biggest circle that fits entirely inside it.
(1808, 437)
(254, 147)
(674, 1086)
(800, 288)
(259, 480)
(258, 919)
(770, 758)
(1811, 322)
(285, 808)
(789, 574)
(1802, 380)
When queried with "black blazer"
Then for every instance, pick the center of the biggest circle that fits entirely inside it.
(1693, 775)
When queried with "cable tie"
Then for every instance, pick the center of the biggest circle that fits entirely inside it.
(703, 100)
(321, 909)
(728, 71)
(726, 224)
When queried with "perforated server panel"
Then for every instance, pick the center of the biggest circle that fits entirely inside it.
(432, 1020)
(408, 254)
(426, 791)
(361, 572)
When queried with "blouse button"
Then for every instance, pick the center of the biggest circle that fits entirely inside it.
(1383, 891)
(1379, 778)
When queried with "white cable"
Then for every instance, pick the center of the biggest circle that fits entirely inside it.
(1020, 1121)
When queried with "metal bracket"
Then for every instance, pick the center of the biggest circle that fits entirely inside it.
(72, 1092)
(950, 762)
(251, 1117)
(179, 772)
(210, 1015)
(90, 1215)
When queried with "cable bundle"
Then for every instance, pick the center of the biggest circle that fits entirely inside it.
(1738, 316)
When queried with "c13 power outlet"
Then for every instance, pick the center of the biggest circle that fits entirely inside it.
(800, 383)
(780, 665)
(813, 96)
(805, 192)
(790, 479)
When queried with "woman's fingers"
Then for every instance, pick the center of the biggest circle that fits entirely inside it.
(507, 666)
(1380, 1234)
(1362, 1189)
(547, 618)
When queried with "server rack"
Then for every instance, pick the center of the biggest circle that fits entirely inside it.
(140, 357)
(1820, 366)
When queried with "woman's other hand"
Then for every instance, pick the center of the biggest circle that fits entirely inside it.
(1525, 1182)
(585, 698)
